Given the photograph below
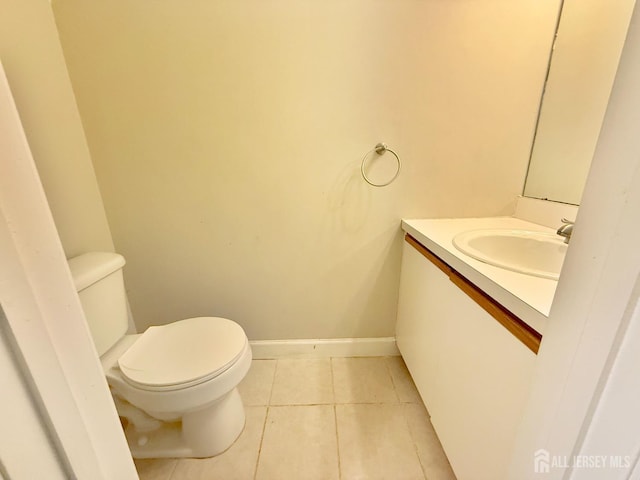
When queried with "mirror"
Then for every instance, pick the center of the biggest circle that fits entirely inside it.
(583, 65)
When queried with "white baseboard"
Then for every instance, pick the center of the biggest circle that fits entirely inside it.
(319, 348)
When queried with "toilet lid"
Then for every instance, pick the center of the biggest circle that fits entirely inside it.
(183, 353)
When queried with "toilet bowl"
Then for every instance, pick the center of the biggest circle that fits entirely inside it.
(175, 384)
(183, 375)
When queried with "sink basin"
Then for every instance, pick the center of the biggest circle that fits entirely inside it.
(533, 253)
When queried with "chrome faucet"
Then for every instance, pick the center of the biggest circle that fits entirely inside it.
(566, 230)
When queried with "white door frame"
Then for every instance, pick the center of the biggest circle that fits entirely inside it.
(45, 324)
(596, 296)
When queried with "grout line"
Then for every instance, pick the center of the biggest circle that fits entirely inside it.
(266, 417)
(335, 403)
(264, 427)
(273, 382)
(333, 383)
(173, 470)
(413, 440)
(335, 418)
(334, 406)
(393, 383)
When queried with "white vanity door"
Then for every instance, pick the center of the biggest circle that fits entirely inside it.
(473, 375)
(419, 325)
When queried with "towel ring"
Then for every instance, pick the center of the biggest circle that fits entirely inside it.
(380, 149)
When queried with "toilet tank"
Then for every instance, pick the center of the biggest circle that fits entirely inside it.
(98, 280)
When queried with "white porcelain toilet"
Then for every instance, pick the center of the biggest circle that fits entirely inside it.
(175, 384)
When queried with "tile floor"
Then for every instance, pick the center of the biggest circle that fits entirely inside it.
(323, 419)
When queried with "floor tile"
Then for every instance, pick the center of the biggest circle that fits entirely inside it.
(255, 388)
(383, 430)
(402, 381)
(375, 443)
(362, 380)
(155, 468)
(237, 463)
(302, 382)
(299, 443)
(433, 459)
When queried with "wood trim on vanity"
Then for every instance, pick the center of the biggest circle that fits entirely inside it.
(428, 254)
(519, 329)
(523, 332)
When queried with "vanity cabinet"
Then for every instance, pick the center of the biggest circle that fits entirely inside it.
(472, 372)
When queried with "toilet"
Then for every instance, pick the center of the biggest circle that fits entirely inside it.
(176, 384)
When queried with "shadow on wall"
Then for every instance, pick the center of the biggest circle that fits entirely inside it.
(379, 288)
(349, 199)
(351, 196)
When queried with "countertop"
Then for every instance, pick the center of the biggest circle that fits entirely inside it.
(526, 296)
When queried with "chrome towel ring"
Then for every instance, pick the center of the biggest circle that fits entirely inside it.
(379, 149)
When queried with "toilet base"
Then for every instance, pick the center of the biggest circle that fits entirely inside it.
(201, 433)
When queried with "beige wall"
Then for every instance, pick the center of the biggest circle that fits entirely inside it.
(227, 136)
(34, 64)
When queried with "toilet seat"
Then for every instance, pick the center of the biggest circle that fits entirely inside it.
(182, 354)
